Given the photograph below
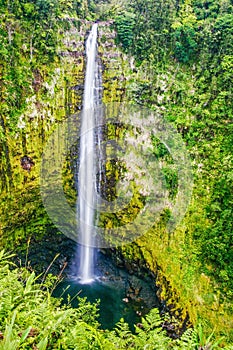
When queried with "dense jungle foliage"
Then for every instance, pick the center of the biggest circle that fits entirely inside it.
(179, 63)
(189, 46)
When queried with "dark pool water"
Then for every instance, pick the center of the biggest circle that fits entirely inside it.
(114, 304)
(121, 294)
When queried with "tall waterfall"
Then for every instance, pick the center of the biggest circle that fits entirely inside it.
(87, 168)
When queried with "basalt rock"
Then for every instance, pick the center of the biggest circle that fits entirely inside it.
(26, 163)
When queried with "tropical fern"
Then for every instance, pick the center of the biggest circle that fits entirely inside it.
(121, 336)
(30, 318)
(151, 334)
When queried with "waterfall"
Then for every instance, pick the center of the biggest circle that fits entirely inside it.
(87, 168)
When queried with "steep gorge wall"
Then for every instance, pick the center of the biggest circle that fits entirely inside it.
(184, 284)
(56, 92)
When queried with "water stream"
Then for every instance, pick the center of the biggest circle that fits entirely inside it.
(87, 169)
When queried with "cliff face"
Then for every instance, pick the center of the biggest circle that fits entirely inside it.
(54, 93)
(187, 276)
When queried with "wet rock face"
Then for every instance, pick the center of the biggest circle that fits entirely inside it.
(138, 290)
(26, 163)
(50, 254)
(37, 81)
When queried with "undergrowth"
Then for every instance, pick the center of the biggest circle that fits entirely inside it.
(30, 318)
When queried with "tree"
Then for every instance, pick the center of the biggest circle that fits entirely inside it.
(125, 26)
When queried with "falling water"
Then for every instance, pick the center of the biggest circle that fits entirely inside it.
(87, 168)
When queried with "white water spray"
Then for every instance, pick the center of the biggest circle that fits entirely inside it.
(87, 169)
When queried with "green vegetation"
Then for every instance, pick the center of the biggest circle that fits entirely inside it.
(177, 59)
(183, 70)
(38, 70)
(31, 318)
